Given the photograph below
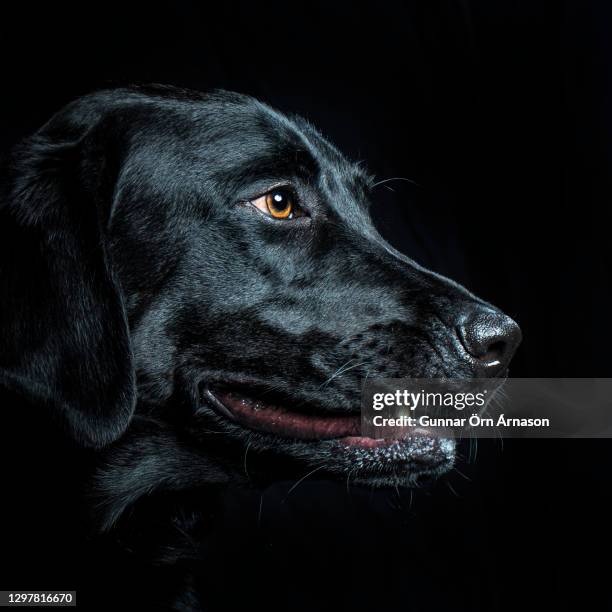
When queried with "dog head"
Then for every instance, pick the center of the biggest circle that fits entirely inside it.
(210, 262)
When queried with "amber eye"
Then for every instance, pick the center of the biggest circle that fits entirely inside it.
(278, 203)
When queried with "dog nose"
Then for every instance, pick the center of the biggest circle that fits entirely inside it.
(491, 338)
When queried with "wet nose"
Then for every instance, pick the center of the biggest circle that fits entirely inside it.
(490, 338)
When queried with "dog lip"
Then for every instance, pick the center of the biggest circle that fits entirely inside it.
(218, 405)
(419, 449)
(281, 421)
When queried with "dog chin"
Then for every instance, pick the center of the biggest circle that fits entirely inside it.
(408, 462)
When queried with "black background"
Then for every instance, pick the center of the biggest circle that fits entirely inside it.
(499, 111)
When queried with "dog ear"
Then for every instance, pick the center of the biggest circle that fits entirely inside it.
(64, 341)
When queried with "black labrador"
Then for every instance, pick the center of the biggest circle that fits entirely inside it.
(188, 277)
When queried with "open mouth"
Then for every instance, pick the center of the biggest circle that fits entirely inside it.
(338, 438)
(278, 420)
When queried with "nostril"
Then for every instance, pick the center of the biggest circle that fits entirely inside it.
(493, 352)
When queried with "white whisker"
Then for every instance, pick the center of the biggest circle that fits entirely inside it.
(395, 178)
(301, 480)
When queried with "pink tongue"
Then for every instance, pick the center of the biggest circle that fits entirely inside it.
(290, 424)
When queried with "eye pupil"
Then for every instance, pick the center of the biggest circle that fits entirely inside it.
(280, 204)
(279, 200)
